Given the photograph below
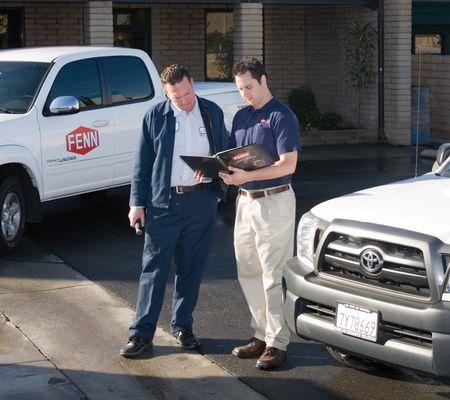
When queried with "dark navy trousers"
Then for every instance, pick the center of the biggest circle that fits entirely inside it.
(183, 232)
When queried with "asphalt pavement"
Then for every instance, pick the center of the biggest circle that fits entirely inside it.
(59, 339)
(91, 235)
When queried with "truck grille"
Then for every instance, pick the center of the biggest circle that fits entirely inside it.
(402, 268)
(387, 330)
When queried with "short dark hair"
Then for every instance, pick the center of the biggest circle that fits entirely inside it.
(252, 65)
(174, 73)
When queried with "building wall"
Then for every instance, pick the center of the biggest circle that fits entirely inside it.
(98, 23)
(248, 31)
(398, 71)
(435, 74)
(285, 48)
(178, 35)
(55, 24)
(325, 62)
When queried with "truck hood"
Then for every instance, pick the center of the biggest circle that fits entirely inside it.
(207, 88)
(15, 128)
(223, 93)
(9, 117)
(419, 204)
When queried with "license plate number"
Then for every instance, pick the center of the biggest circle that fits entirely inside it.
(357, 321)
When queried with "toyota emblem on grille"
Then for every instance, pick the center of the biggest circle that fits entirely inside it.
(371, 261)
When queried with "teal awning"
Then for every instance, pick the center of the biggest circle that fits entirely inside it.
(431, 14)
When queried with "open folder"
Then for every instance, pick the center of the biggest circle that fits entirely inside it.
(249, 158)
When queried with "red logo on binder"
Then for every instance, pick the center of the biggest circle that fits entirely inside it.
(240, 156)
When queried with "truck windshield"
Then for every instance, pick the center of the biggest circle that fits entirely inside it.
(19, 82)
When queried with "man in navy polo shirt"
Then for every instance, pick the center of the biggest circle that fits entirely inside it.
(265, 214)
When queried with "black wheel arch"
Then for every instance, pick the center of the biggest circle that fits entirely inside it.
(32, 197)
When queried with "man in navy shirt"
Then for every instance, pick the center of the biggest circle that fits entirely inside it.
(265, 214)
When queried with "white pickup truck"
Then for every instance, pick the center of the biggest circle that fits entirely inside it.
(371, 279)
(70, 118)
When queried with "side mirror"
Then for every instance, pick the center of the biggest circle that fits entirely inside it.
(443, 153)
(64, 105)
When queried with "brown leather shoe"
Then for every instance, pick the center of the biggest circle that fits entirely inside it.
(254, 348)
(272, 358)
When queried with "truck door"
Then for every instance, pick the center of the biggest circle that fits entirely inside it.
(77, 149)
(131, 93)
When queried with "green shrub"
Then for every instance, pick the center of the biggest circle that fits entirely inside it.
(331, 121)
(302, 101)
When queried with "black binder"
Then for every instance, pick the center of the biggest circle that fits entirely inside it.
(248, 158)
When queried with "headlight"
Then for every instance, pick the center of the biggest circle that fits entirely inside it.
(306, 233)
(446, 293)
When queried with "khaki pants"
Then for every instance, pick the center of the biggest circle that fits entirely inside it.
(263, 242)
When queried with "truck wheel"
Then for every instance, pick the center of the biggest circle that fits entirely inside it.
(351, 361)
(12, 214)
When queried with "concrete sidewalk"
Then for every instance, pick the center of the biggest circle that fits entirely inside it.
(60, 335)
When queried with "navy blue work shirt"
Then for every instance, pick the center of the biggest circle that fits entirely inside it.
(275, 127)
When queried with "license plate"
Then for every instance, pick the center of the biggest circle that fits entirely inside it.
(357, 321)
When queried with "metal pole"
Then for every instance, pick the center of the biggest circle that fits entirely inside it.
(381, 134)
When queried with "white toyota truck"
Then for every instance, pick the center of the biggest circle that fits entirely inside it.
(371, 276)
(70, 118)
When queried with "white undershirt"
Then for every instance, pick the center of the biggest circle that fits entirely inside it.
(190, 140)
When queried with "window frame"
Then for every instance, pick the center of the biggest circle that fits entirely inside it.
(108, 95)
(132, 28)
(442, 30)
(205, 59)
(46, 109)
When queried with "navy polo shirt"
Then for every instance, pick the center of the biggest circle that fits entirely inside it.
(275, 127)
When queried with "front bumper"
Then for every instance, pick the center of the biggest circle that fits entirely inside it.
(411, 334)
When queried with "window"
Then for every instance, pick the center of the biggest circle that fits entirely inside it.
(219, 45)
(10, 28)
(19, 83)
(134, 84)
(132, 28)
(80, 79)
(427, 44)
(430, 28)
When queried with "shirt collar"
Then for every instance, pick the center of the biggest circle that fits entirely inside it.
(177, 111)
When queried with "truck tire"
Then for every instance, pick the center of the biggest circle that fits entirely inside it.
(352, 361)
(12, 214)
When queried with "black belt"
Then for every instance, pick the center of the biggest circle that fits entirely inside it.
(189, 189)
(257, 194)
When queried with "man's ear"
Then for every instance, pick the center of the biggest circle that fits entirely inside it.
(264, 80)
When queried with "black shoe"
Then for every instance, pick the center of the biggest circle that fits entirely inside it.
(187, 339)
(135, 346)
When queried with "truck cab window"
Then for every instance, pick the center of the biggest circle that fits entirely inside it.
(134, 85)
(80, 79)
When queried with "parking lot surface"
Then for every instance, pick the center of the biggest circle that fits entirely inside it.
(91, 234)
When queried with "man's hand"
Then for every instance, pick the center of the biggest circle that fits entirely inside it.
(238, 176)
(198, 175)
(136, 214)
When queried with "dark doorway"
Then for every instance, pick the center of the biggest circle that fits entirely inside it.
(10, 28)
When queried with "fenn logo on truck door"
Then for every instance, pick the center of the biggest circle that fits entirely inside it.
(82, 140)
